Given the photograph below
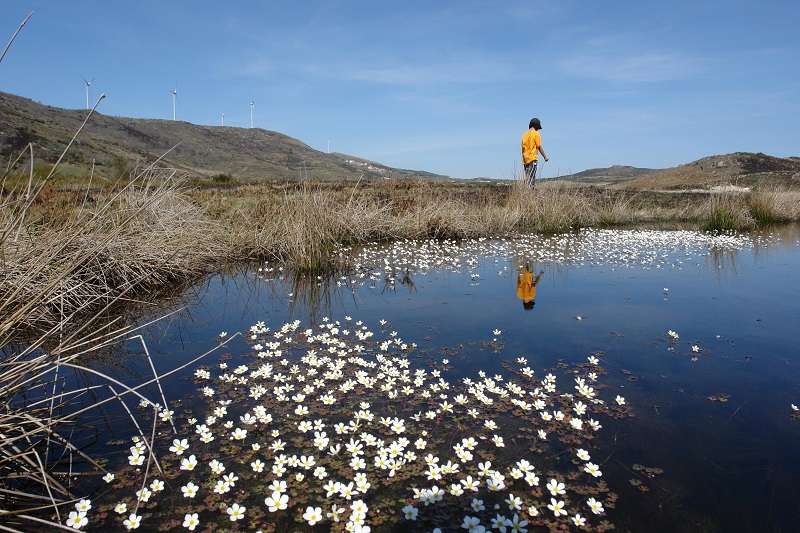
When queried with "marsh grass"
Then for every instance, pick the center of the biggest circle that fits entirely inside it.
(139, 239)
(728, 212)
(56, 282)
(773, 206)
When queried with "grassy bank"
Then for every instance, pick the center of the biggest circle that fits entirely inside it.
(110, 243)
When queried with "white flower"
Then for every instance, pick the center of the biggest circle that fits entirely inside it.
(312, 515)
(188, 463)
(578, 520)
(222, 487)
(277, 485)
(83, 506)
(555, 487)
(109, 477)
(236, 512)
(595, 506)
(620, 400)
(132, 522)
(276, 502)
(143, 494)
(189, 490)
(121, 508)
(190, 521)
(216, 466)
(77, 519)
(499, 522)
(583, 455)
(179, 446)
(557, 507)
(477, 505)
(472, 524)
(514, 503)
(410, 512)
(517, 524)
(592, 469)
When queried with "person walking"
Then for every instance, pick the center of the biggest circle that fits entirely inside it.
(531, 148)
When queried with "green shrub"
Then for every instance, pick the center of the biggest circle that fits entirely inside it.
(223, 179)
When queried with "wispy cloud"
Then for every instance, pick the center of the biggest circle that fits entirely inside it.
(459, 72)
(477, 71)
(631, 67)
(380, 71)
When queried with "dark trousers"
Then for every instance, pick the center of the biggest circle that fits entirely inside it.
(530, 173)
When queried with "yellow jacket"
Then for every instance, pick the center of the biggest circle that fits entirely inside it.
(531, 141)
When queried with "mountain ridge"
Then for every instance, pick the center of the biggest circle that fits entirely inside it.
(248, 154)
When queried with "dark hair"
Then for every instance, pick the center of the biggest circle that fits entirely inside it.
(535, 123)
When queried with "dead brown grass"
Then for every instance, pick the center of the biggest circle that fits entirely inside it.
(140, 238)
(773, 205)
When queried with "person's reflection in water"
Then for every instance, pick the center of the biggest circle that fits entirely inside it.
(406, 281)
(526, 286)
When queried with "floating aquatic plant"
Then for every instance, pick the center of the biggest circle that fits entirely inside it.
(340, 426)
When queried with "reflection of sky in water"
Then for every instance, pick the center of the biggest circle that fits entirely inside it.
(728, 466)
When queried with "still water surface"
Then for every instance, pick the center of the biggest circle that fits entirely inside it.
(729, 465)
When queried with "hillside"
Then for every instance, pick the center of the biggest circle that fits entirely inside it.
(606, 175)
(741, 168)
(202, 151)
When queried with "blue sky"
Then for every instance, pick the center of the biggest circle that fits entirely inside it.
(442, 86)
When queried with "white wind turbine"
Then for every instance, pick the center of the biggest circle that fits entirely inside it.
(88, 84)
(252, 107)
(222, 120)
(174, 93)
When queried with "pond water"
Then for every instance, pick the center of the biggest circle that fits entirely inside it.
(709, 442)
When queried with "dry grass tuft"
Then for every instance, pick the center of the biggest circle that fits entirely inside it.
(728, 211)
(772, 206)
(141, 238)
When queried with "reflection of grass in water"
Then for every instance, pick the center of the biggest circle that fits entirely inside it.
(313, 291)
(387, 409)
